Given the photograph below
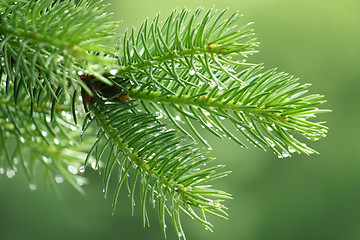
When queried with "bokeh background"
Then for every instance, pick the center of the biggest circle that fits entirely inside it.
(301, 197)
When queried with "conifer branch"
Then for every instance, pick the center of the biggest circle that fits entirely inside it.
(189, 69)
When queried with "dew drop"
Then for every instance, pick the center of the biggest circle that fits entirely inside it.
(285, 154)
(80, 181)
(180, 234)
(59, 179)
(32, 187)
(80, 73)
(159, 115)
(192, 72)
(22, 140)
(48, 119)
(82, 169)
(73, 128)
(66, 11)
(269, 128)
(16, 161)
(291, 150)
(2, 170)
(72, 169)
(47, 160)
(177, 118)
(94, 166)
(60, 58)
(113, 71)
(10, 173)
(222, 118)
(44, 133)
(56, 141)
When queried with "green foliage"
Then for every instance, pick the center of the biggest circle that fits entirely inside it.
(187, 71)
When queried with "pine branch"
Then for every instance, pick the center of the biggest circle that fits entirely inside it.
(38, 143)
(180, 47)
(58, 69)
(266, 111)
(166, 166)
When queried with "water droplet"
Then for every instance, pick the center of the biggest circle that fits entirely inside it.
(82, 169)
(66, 11)
(59, 179)
(269, 128)
(210, 148)
(32, 187)
(80, 181)
(80, 73)
(46, 160)
(94, 166)
(222, 118)
(2, 170)
(180, 234)
(192, 72)
(113, 71)
(10, 173)
(22, 140)
(72, 169)
(67, 115)
(159, 115)
(285, 154)
(241, 127)
(16, 161)
(291, 150)
(177, 118)
(60, 58)
(44, 133)
(48, 119)
(56, 141)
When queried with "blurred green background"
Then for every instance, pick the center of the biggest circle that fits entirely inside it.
(316, 197)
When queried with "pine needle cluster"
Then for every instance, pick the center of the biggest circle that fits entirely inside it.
(70, 99)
